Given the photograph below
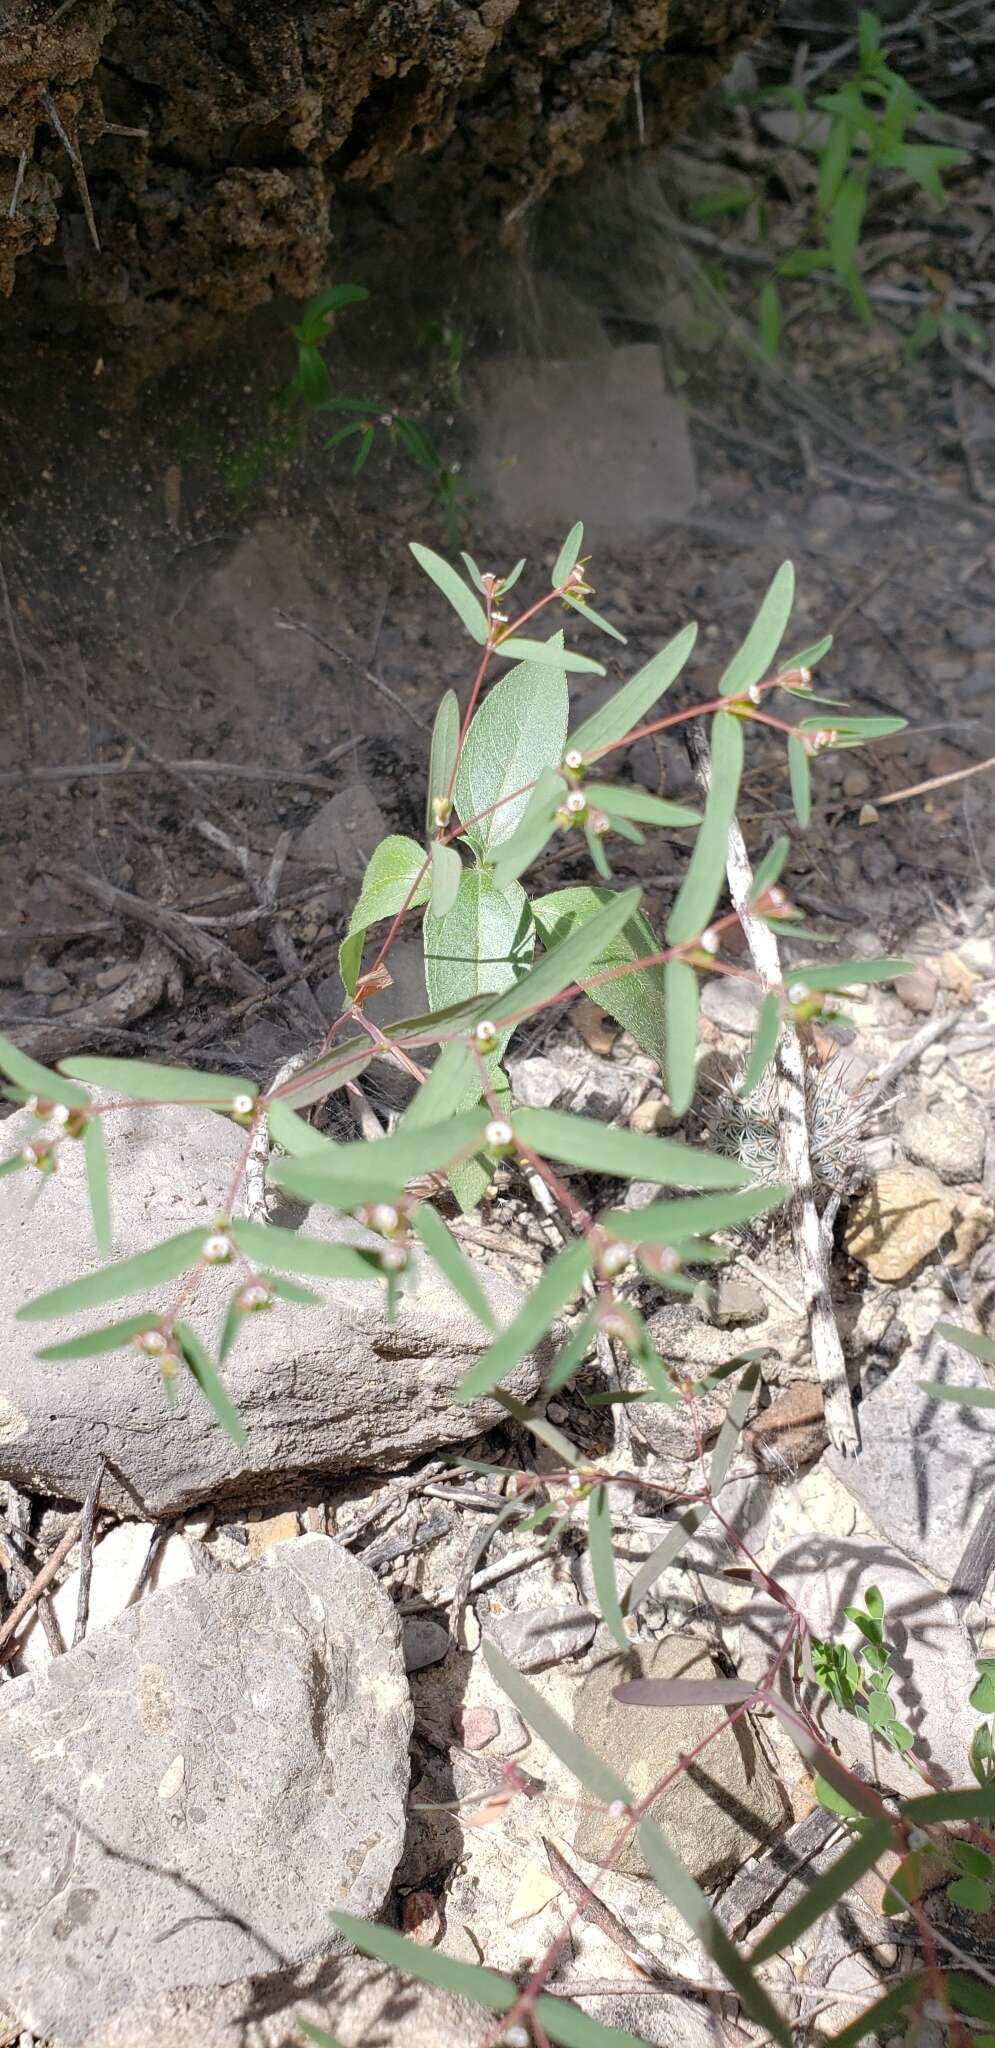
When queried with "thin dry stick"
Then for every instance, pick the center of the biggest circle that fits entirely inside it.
(208, 954)
(593, 1909)
(12, 1562)
(90, 1506)
(810, 1249)
(898, 796)
(41, 1580)
(71, 147)
(234, 771)
(22, 165)
(376, 682)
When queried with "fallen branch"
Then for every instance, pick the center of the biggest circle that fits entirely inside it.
(39, 1583)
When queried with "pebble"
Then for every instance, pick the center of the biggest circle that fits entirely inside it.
(948, 1138)
(731, 1002)
(476, 1726)
(40, 980)
(543, 1635)
(917, 991)
(653, 1116)
(904, 1215)
(424, 1642)
(792, 1432)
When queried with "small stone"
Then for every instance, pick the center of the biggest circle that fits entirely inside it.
(947, 1138)
(569, 1078)
(731, 1002)
(856, 782)
(343, 832)
(39, 979)
(904, 1215)
(421, 1918)
(735, 1301)
(536, 1889)
(917, 991)
(791, 1433)
(596, 1028)
(957, 977)
(978, 955)
(718, 1811)
(543, 1635)
(424, 1642)
(476, 1726)
(652, 1116)
(112, 977)
(273, 1529)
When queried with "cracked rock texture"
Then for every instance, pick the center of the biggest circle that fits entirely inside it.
(187, 1794)
(248, 121)
(332, 1388)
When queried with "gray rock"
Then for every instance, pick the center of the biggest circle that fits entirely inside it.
(424, 1642)
(354, 1999)
(343, 832)
(42, 980)
(717, 1812)
(321, 1390)
(543, 1635)
(933, 1658)
(925, 1470)
(572, 1078)
(731, 1003)
(948, 1137)
(186, 1793)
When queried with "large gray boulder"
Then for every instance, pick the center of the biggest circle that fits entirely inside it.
(188, 1794)
(321, 1390)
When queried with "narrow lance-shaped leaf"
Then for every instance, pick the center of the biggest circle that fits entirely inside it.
(594, 1774)
(672, 1223)
(343, 1062)
(843, 973)
(292, 1133)
(210, 1385)
(144, 1081)
(683, 1692)
(677, 1884)
(963, 1397)
(681, 996)
(288, 1251)
(764, 1044)
(452, 587)
(770, 868)
(665, 1554)
(705, 877)
(442, 758)
(570, 960)
(534, 829)
(809, 656)
(800, 778)
(729, 1434)
(537, 1426)
(567, 557)
(97, 1183)
(395, 1160)
(630, 705)
(753, 659)
(455, 1267)
(593, 618)
(548, 654)
(570, 1356)
(617, 800)
(447, 873)
(112, 1337)
(600, 1148)
(825, 1891)
(968, 1340)
(558, 1285)
(126, 1276)
(599, 1543)
(38, 1080)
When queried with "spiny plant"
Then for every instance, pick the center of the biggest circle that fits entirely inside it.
(508, 774)
(857, 132)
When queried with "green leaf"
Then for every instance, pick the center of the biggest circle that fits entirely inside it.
(452, 587)
(880, 1709)
(809, 657)
(350, 961)
(618, 801)
(843, 973)
(626, 709)
(484, 943)
(982, 1695)
(97, 1183)
(972, 1861)
(391, 880)
(319, 311)
(665, 1554)
(37, 1080)
(571, 959)
(672, 1223)
(289, 1290)
(344, 1061)
(764, 1045)
(126, 1276)
(597, 1777)
(803, 262)
(570, 1356)
(291, 1133)
(728, 1436)
(753, 660)
(533, 831)
(599, 1148)
(834, 1801)
(453, 1084)
(969, 1994)
(637, 1001)
(833, 161)
(452, 1263)
(286, 1250)
(770, 868)
(447, 872)
(442, 758)
(567, 557)
(143, 1081)
(112, 1337)
(362, 1172)
(234, 1318)
(311, 380)
(936, 1807)
(599, 1543)
(706, 872)
(800, 777)
(681, 1003)
(968, 1340)
(519, 730)
(594, 618)
(508, 582)
(210, 1385)
(770, 318)
(16, 1164)
(558, 1284)
(845, 223)
(677, 1885)
(730, 199)
(548, 654)
(878, 2016)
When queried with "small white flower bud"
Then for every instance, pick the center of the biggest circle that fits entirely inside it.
(385, 1218)
(515, 2037)
(709, 941)
(29, 1156)
(216, 1249)
(153, 1342)
(797, 992)
(573, 760)
(241, 1105)
(485, 1035)
(618, 1809)
(498, 1135)
(918, 1838)
(442, 810)
(805, 678)
(60, 1113)
(754, 693)
(254, 1297)
(32, 1104)
(575, 1482)
(576, 802)
(614, 1260)
(393, 1258)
